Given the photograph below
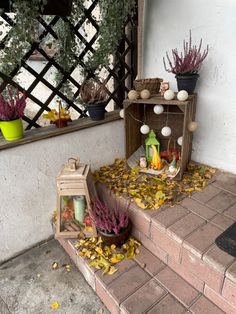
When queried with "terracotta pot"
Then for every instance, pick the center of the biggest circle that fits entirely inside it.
(117, 239)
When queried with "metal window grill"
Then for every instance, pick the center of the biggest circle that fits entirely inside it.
(120, 76)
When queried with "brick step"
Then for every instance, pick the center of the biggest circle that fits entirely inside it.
(142, 285)
(183, 237)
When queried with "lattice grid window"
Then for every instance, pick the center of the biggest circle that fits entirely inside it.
(35, 76)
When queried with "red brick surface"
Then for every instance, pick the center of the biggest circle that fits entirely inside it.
(231, 272)
(107, 298)
(219, 300)
(185, 226)
(204, 306)
(229, 291)
(167, 217)
(185, 293)
(168, 305)
(218, 259)
(184, 272)
(200, 240)
(231, 212)
(166, 243)
(150, 245)
(199, 209)
(222, 201)
(206, 194)
(149, 262)
(128, 283)
(143, 298)
(203, 271)
(222, 221)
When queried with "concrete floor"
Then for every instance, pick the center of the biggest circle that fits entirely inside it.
(29, 285)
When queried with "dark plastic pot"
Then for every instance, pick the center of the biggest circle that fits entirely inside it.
(117, 239)
(187, 82)
(97, 111)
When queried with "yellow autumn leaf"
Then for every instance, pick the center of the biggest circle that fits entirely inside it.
(112, 270)
(55, 305)
(116, 258)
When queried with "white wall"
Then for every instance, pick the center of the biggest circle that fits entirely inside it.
(28, 181)
(167, 23)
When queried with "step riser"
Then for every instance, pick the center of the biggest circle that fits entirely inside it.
(191, 267)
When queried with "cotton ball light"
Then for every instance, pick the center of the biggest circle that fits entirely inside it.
(133, 94)
(166, 131)
(169, 94)
(122, 113)
(182, 95)
(158, 109)
(145, 129)
(180, 140)
(192, 126)
(145, 94)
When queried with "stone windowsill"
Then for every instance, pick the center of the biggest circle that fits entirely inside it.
(51, 131)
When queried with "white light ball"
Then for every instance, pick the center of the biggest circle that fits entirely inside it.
(145, 129)
(169, 94)
(122, 113)
(180, 140)
(133, 94)
(158, 109)
(192, 126)
(166, 131)
(145, 94)
(182, 95)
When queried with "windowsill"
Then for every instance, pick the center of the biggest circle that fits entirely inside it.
(51, 131)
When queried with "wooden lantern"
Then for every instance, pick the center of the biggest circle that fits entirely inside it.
(74, 188)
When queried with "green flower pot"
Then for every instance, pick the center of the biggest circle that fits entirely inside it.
(12, 130)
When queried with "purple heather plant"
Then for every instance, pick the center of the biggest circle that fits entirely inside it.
(12, 106)
(187, 62)
(108, 220)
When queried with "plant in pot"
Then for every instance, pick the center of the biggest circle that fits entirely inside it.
(94, 96)
(12, 106)
(185, 65)
(113, 224)
(60, 118)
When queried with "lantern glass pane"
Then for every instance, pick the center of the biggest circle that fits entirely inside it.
(74, 214)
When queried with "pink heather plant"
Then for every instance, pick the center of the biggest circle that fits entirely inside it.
(12, 106)
(108, 220)
(187, 62)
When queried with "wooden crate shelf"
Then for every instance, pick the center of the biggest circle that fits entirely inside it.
(179, 113)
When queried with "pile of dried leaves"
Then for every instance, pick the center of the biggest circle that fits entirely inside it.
(106, 257)
(151, 191)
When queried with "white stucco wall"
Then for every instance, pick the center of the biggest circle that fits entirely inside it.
(167, 23)
(28, 181)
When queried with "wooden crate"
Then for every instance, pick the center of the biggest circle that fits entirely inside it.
(180, 113)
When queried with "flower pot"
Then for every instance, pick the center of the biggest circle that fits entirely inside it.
(117, 239)
(97, 111)
(12, 130)
(187, 82)
(61, 123)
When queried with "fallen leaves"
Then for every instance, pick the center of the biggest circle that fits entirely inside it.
(106, 257)
(151, 191)
(55, 305)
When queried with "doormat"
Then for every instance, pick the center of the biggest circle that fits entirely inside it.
(227, 240)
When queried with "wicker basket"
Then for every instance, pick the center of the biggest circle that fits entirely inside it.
(152, 84)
